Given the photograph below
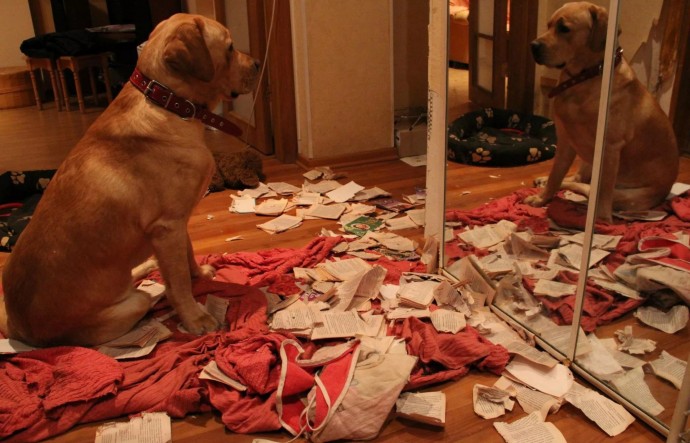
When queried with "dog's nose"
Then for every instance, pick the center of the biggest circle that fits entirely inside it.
(536, 49)
(257, 64)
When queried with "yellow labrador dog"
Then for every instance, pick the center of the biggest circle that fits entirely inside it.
(641, 155)
(124, 193)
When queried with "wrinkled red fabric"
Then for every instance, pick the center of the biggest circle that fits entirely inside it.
(257, 268)
(53, 384)
(58, 388)
(444, 356)
(254, 362)
(599, 307)
(509, 207)
(681, 206)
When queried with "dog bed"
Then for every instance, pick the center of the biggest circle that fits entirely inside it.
(20, 192)
(500, 137)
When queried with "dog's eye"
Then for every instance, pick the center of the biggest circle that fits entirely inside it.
(562, 29)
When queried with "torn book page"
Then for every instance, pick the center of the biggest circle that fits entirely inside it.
(344, 192)
(345, 269)
(418, 294)
(329, 212)
(611, 417)
(150, 427)
(571, 255)
(530, 400)
(370, 193)
(554, 381)
(212, 372)
(633, 387)
(243, 204)
(623, 358)
(399, 223)
(337, 325)
(669, 368)
(558, 336)
(553, 288)
(672, 321)
(633, 345)
(599, 241)
(599, 361)
(271, 207)
(218, 308)
(152, 288)
(321, 187)
(488, 235)
(530, 353)
(260, 191)
(531, 428)
(281, 224)
(12, 346)
(491, 402)
(283, 188)
(425, 407)
(445, 320)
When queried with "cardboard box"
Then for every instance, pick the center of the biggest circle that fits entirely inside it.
(410, 141)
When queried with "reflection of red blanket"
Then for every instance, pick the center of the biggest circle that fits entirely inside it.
(48, 391)
(600, 306)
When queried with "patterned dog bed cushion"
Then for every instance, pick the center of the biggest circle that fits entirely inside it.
(20, 192)
(500, 137)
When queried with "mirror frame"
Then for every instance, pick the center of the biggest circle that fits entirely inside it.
(437, 134)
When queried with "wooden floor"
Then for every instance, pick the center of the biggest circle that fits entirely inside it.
(39, 140)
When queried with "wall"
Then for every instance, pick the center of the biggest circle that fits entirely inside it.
(410, 53)
(15, 27)
(343, 57)
(640, 39)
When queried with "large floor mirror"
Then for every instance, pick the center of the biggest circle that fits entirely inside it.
(609, 301)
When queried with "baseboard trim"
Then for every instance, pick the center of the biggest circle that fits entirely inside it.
(380, 155)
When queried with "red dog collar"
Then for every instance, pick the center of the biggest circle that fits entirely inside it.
(585, 74)
(161, 95)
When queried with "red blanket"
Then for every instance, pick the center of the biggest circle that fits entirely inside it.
(601, 306)
(48, 391)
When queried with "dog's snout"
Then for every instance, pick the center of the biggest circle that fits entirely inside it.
(536, 48)
(257, 64)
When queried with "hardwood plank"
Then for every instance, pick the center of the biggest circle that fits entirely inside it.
(52, 134)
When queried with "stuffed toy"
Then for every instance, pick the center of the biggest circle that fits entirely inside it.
(237, 170)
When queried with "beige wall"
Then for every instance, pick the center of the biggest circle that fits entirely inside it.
(343, 55)
(411, 53)
(15, 27)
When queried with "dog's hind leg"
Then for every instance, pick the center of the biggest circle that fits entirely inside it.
(637, 199)
(116, 320)
(144, 269)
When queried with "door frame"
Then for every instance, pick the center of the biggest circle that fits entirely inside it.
(509, 63)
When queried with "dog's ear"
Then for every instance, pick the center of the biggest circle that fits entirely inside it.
(597, 35)
(187, 53)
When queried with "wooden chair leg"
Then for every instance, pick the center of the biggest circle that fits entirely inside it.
(37, 96)
(65, 95)
(106, 78)
(92, 81)
(77, 86)
(56, 89)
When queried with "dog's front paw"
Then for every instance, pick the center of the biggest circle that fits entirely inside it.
(206, 272)
(535, 200)
(200, 323)
(540, 182)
